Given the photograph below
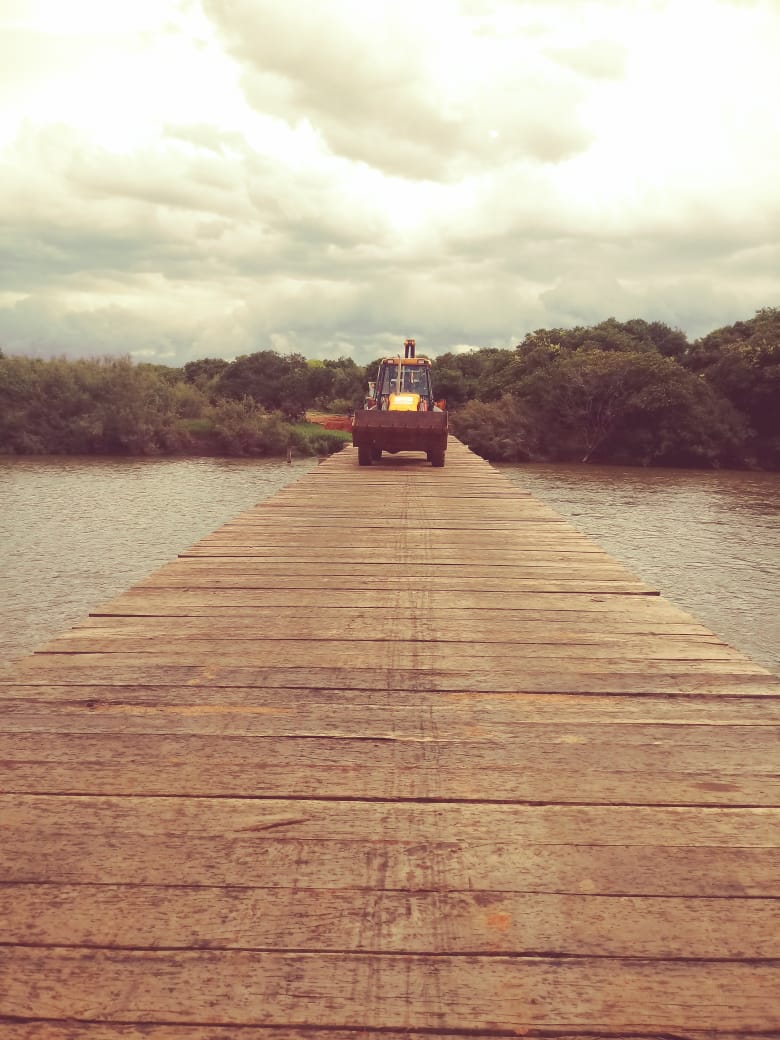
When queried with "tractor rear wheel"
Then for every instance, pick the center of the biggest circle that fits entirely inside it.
(364, 455)
(436, 458)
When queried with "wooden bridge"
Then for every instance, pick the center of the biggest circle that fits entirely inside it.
(396, 753)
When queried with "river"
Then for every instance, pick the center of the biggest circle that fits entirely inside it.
(75, 532)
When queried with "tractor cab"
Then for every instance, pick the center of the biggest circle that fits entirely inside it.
(403, 384)
(403, 387)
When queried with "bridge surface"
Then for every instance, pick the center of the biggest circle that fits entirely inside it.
(397, 753)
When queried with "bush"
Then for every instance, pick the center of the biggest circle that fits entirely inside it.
(341, 406)
(103, 406)
(241, 428)
(499, 431)
(327, 442)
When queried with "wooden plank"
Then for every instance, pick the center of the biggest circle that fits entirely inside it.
(276, 560)
(674, 770)
(325, 583)
(548, 627)
(534, 545)
(532, 535)
(417, 712)
(413, 509)
(61, 852)
(324, 820)
(385, 551)
(273, 523)
(277, 569)
(693, 678)
(456, 499)
(314, 710)
(402, 652)
(451, 724)
(237, 917)
(390, 991)
(42, 1030)
(204, 601)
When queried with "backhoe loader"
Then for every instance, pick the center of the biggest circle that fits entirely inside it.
(401, 413)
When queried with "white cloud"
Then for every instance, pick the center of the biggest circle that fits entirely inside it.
(188, 179)
(408, 88)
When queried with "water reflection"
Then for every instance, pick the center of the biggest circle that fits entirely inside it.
(709, 541)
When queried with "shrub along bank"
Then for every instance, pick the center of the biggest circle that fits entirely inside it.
(113, 407)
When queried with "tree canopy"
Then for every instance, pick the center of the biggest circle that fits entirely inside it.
(633, 392)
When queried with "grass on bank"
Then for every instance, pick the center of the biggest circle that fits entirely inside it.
(312, 429)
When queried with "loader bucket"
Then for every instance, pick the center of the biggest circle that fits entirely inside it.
(375, 431)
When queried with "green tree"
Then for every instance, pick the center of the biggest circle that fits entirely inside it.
(474, 374)
(579, 400)
(502, 431)
(667, 341)
(348, 385)
(631, 407)
(276, 382)
(742, 363)
(634, 336)
(205, 372)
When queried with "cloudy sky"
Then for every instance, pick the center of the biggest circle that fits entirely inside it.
(192, 178)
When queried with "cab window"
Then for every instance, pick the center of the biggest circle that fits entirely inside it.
(414, 380)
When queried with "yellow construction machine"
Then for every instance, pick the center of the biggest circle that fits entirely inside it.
(401, 413)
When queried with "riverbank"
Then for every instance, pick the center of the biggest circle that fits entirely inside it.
(199, 438)
(299, 440)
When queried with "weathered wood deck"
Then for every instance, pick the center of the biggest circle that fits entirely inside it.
(397, 753)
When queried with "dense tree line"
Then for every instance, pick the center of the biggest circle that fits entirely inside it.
(286, 383)
(631, 392)
(111, 406)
